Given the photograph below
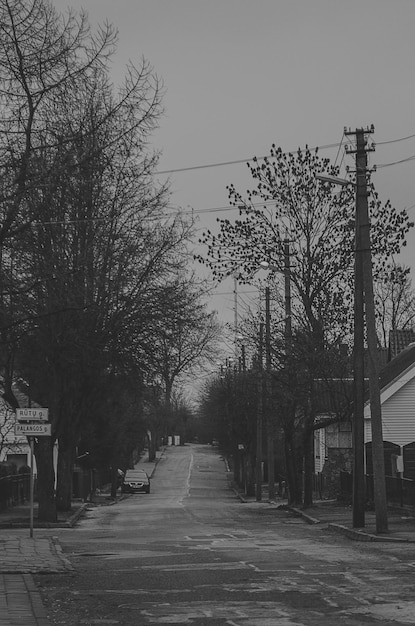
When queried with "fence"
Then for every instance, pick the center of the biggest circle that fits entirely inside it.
(86, 482)
(14, 490)
(319, 485)
(399, 491)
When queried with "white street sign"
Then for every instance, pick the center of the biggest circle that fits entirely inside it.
(33, 430)
(32, 415)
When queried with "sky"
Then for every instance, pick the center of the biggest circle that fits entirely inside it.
(240, 75)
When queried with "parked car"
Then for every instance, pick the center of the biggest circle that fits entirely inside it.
(135, 480)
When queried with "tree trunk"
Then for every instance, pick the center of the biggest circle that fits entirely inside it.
(114, 481)
(45, 480)
(236, 465)
(244, 480)
(294, 486)
(65, 469)
(308, 467)
(250, 474)
(151, 438)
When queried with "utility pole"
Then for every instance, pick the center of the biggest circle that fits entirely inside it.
(287, 296)
(365, 308)
(359, 490)
(288, 341)
(260, 408)
(235, 313)
(270, 429)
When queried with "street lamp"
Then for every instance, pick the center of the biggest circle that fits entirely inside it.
(334, 180)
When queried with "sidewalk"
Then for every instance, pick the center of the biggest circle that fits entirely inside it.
(22, 555)
(149, 466)
(338, 517)
(19, 516)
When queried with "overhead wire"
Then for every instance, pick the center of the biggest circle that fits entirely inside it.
(399, 162)
(323, 147)
(338, 151)
(382, 143)
(236, 161)
(269, 202)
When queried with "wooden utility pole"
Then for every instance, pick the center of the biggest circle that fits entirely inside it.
(259, 419)
(235, 313)
(269, 414)
(359, 487)
(287, 296)
(363, 268)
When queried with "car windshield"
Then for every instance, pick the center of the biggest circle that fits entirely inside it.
(135, 474)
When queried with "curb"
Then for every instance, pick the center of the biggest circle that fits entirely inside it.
(60, 554)
(158, 459)
(299, 513)
(351, 533)
(69, 523)
(244, 500)
(239, 495)
(361, 535)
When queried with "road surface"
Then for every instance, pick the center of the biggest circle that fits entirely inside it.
(191, 553)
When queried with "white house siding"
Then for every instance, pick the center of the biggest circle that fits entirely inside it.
(319, 449)
(398, 414)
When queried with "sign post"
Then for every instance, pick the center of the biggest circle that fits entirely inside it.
(32, 415)
(32, 483)
(33, 430)
(32, 423)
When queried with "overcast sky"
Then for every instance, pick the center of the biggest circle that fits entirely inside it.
(240, 75)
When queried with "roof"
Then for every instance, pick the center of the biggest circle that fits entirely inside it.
(383, 356)
(399, 339)
(20, 391)
(336, 395)
(333, 396)
(392, 370)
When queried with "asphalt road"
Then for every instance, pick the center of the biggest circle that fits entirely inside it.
(191, 553)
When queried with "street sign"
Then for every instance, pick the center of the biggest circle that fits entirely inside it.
(33, 430)
(32, 415)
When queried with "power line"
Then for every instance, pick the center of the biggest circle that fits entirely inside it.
(323, 147)
(381, 165)
(238, 161)
(382, 143)
(231, 293)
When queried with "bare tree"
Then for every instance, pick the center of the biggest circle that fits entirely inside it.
(81, 212)
(43, 59)
(7, 424)
(394, 301)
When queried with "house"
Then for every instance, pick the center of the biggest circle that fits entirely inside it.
(399, 338)
(15, 448)
(397, 382)
(334, 405)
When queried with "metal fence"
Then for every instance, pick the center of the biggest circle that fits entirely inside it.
(14, 490)
(319, 485)
(85, 483)
(399, 491)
